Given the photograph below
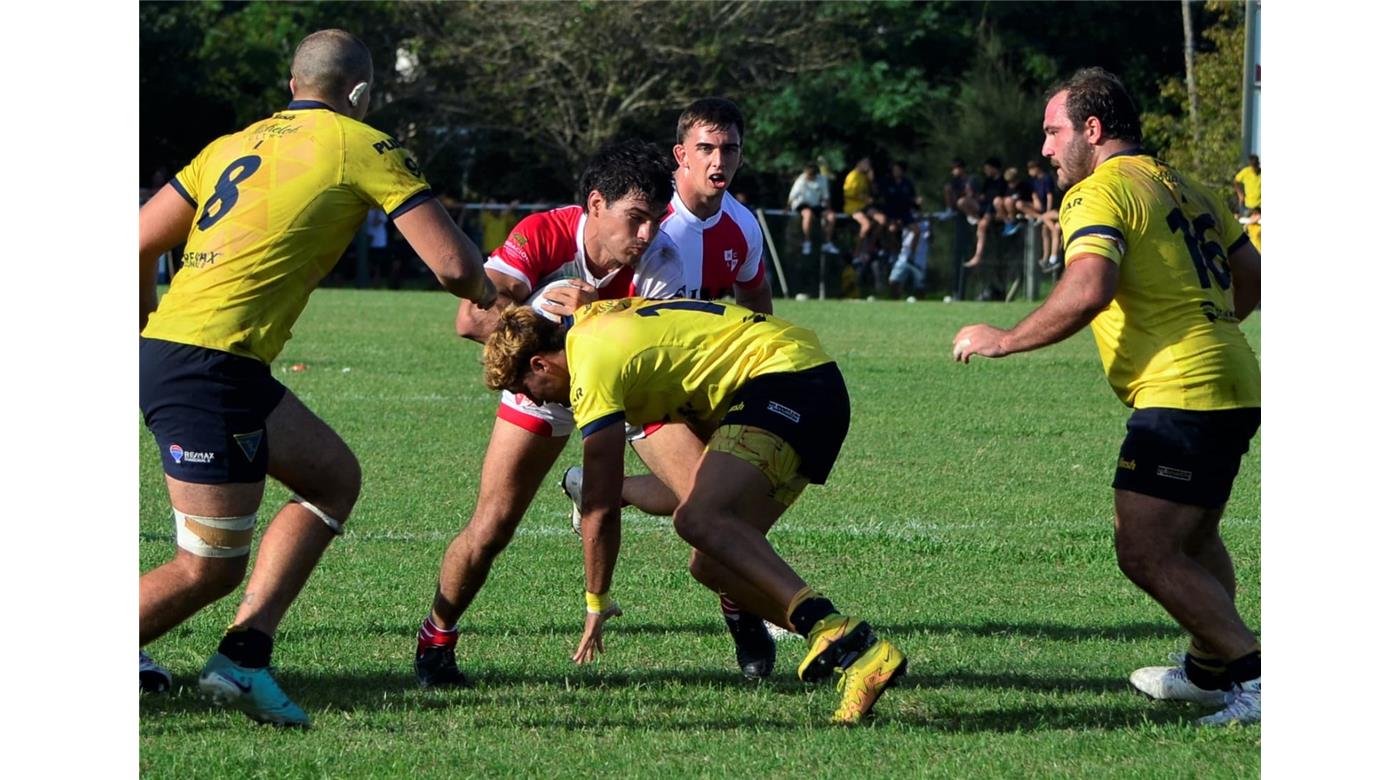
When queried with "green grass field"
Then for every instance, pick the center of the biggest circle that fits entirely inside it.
(968, 519)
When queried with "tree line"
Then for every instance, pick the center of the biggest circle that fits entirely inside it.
(503, 100)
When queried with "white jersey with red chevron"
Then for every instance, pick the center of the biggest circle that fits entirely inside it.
(720, 252)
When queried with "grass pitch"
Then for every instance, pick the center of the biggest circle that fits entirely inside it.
(968, 519)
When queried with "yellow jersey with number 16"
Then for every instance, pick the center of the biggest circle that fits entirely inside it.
(276, 204)
(1170, 338)
(645, 361)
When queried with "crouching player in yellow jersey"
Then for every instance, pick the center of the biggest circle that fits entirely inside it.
(774, 409)
(264, 214)
(1159, 269)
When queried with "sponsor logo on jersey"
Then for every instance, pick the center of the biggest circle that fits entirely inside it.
(177, 453)
(779, 409)
(731, 259)
(1127, 465)
(388, 144)
(1171, 473)
(519, 239)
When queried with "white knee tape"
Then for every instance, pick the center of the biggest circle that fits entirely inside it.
(214, 537)
(335, 525)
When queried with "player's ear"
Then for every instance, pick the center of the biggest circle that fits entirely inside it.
(679, 151)
(292, 85)
(596, 203)
(357, 94)
(1093, 130)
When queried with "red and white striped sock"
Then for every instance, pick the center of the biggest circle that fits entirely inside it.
(431, 637)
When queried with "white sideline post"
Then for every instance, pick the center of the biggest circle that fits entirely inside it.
(777, 264)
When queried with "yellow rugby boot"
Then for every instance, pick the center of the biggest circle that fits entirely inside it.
(833, 639)
(865, 679)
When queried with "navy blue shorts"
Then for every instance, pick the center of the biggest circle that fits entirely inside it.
(208, 411)
(808, 409)
(1184, 456)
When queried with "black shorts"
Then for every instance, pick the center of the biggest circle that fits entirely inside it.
(207, 411)
(808, 409)
(1185, 456)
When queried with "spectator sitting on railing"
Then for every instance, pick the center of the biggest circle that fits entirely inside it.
(859, 192)
(1043, 209)
(953, 190)
(980, 208)
(810, 195)
(1018, 192)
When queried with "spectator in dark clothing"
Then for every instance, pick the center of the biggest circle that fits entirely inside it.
(979, 211)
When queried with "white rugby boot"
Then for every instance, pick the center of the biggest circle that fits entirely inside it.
(1243, 708)
(1169, 683)
(572, 485)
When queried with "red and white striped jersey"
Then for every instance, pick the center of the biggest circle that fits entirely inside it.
(548, 246)
(720, 252)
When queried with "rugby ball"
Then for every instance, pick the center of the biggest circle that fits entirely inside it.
(541, 295)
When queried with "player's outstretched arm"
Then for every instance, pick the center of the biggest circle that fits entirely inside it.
(601, 527)
(453, 258)
(1244, 270)
(165, 222)
(1085, 290)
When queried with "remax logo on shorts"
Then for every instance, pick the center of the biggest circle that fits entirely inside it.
(181, 455)
(777, 408)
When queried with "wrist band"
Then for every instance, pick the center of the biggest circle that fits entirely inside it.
(597, 603)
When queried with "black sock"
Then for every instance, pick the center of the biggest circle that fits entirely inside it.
(247, 647)
(1206, 673)
(809, 612)
(1243, 669)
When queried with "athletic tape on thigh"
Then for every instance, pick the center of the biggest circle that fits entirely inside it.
(335, 525)
(214, 537)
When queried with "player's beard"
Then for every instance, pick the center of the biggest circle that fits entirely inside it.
(1076, 162)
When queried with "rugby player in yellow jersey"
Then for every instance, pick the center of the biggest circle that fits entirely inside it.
(773, 409)
(1159, 269)
(264, 214)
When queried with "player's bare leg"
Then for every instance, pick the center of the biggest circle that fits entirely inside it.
(726, 517)
(1151, 536)
(515, 465)
(173, 592)
(311, 459)
(671, 452)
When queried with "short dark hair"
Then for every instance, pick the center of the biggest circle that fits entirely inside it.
(623, 167)
(995, 162)
(958, 163)
(1096, 92)
(710, 112)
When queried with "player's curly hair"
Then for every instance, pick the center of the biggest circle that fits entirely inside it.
(710, 112)
(621, 168)
(1096, 92)
(520, 335)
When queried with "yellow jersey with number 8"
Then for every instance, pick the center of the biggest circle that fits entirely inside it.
(1170, 338)
(276, 204)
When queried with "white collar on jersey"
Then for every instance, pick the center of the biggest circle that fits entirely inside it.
(581, 258)
(689, 217)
